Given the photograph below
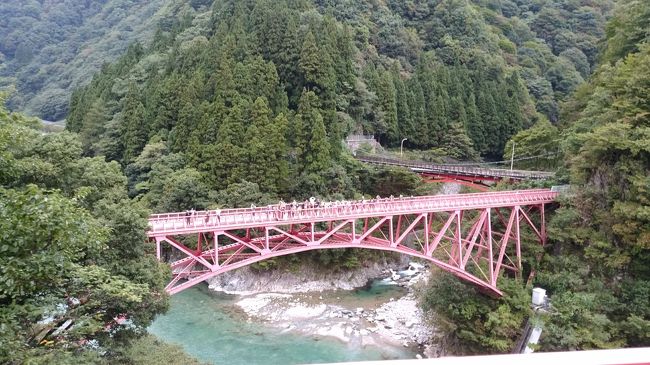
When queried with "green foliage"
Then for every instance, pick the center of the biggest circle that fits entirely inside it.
(457, 144)
(317, 157)
(579, 322)
(242, 195)
(627, 30)
(393, 181)
(148, 350)
(537, 147)
(133, 130)
(181, 190)
(38, 226)
(73, 249)
(597, 269)
(248, 102)
(471, 322)
(315, 65)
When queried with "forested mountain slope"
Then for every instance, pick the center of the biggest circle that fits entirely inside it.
(454, 75)
(416, 70)
(50, 47)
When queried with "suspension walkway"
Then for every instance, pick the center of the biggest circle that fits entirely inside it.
(473, 236)
(458, 173)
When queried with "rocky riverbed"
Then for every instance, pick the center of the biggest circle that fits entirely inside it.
(246, 281)
(389, 316)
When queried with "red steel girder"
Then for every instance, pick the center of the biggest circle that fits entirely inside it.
(471, 246)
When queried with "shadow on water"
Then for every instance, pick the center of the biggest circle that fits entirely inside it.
(210, 327)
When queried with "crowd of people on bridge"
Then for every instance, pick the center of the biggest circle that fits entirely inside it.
(282, 210)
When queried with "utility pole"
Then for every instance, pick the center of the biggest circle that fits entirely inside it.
(512, 158)
(401, 146)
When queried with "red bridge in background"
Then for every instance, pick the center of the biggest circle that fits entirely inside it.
(472, 236)
(474, 176)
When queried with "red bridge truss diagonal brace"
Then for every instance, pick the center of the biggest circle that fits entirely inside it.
(460, 234)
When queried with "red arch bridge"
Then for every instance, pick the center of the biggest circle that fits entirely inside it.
(472, 236)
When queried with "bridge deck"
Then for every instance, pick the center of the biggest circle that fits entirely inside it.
(461, 170)
(226, 219)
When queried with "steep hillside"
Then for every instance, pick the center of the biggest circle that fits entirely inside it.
(596, 264)
(50, 47)
(603, 231)
(458, 76)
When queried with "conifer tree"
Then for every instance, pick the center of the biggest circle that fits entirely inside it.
(188, 114)
(317, 71)
(515, 99)
(416, 106)
(388, 102)
(186, 123)
(406, 127)
(297, 136)
(310, 61)
(488, 112)
(223, 79)
(212, 115)
(344, 68)
(317, 158)
(314, 154)
(224, 159)
(302, 123)
(133, 130)
(164, 104)
(259, 162)
(232, 128)
(277, 149)
(474, 124)
(77, 108)
(334, 130)
(93, 125)
(438, 121)
(457, 144)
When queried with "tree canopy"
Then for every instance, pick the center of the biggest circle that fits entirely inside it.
(73, 249)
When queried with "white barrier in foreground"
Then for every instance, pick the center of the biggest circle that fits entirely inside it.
(630, 356)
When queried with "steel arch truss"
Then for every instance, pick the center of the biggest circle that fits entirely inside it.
(476, 245)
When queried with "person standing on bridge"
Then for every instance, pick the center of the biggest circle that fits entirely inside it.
(280, 209)
(189, 216)
(294, 208)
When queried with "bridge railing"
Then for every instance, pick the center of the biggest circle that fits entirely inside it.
(273, 214)
(466, 170)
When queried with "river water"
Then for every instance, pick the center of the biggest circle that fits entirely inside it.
(209, 327)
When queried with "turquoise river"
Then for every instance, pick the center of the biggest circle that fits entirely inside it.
(209, 327)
